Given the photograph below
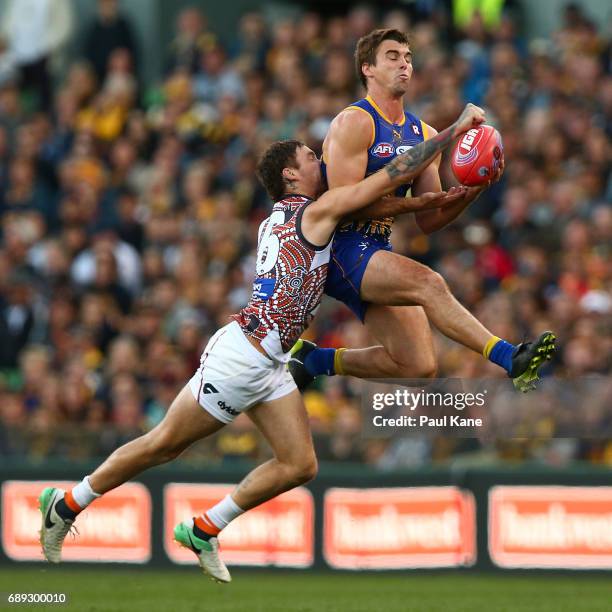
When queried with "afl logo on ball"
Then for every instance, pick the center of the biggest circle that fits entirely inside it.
(383, 149)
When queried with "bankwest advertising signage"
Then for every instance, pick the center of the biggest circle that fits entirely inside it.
(551, 526)
(399, 528)
(279, 532)
(116, 527)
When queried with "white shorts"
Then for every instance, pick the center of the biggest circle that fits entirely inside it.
(234, 376)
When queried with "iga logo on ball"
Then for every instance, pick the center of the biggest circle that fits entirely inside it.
(467, 150)
(477, 155)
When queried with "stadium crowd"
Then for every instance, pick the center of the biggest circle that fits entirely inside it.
(129, 215)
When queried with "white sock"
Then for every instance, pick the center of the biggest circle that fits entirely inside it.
(224, 512)
(83, 494)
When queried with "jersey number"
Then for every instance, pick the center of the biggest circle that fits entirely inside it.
(269, 244)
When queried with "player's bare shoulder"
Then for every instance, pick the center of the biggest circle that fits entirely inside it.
(431, 131)
(352, 127)
(345, 150)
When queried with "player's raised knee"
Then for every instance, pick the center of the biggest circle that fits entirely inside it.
(420, 284)
(433, 286)
(309, 470)
(406, 365)
(436, 281)
(427, 367)
(305, 470)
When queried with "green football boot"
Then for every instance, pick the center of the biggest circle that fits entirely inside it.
(207, 551)
(54, 528)
(528, 358)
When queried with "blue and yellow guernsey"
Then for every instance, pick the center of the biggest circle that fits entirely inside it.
(388, 140)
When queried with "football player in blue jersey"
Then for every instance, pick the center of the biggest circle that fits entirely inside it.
(394, 296)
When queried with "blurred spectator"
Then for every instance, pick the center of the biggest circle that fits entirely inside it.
(109, 30)
(191, 41)
(8, 69)
(127, 268)
(16, 318)
(248, 50)
(239, 441)
(35, 29)
(215, 78)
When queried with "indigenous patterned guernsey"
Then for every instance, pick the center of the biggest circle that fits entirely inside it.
(290, 276)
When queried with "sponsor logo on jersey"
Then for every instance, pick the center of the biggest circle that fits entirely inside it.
(227, 408)
(263, 288)
(403, 148)
(383, 149)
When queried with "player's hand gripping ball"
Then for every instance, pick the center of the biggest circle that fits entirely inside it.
(477, 155)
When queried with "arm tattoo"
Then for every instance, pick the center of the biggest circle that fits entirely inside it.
(414, 158)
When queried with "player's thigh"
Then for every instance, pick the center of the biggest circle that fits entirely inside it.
(405, 332)
(186, 421)
(284, 423)
(395, 280)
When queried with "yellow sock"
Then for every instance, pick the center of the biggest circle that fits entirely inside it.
(493, 340)
(338, 361)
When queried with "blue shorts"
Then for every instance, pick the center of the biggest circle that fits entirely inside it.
(350, 254)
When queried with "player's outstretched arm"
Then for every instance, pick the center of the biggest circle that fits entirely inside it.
(392, 206)
(433, 220)
(346, 149)
(321, 217)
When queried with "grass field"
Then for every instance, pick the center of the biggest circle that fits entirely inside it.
(185, 589)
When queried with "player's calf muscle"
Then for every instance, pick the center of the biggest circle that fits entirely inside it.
(273, 478)
(161, 445)
(131, 459)
(407, 349)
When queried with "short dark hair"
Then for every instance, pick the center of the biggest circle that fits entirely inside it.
(367, 46)
(278, 155)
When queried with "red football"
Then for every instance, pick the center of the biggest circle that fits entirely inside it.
(477, 155)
